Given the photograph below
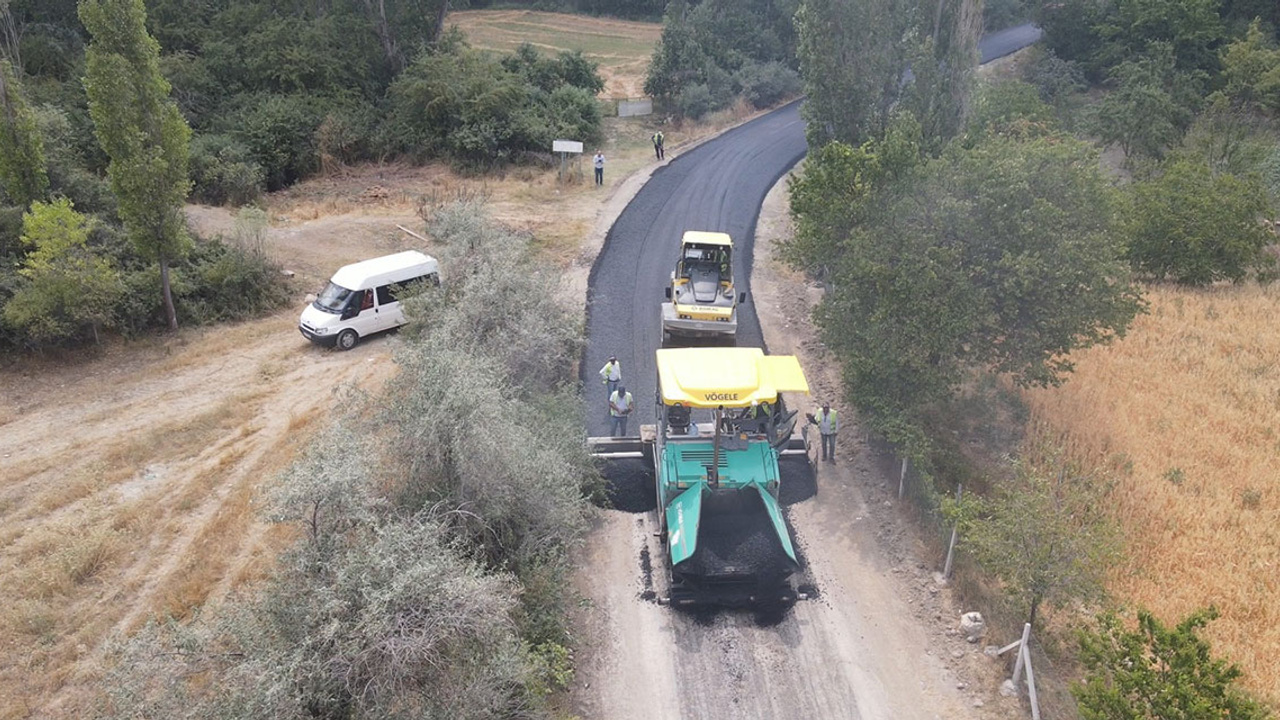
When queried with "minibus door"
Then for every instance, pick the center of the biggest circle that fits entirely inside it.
(361, 314)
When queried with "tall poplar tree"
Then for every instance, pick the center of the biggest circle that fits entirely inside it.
(141, 131)
(22, 169)
(862, 61)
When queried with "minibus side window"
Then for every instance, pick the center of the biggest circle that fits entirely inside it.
(396, 291)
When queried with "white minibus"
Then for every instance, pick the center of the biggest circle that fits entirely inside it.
(361, 299)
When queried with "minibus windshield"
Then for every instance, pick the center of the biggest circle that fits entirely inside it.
(333, 299)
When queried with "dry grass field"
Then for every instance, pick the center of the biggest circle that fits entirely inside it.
(1188, 407)
(131, 481)
(621, 47)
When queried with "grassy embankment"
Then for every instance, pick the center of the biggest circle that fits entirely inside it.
(1188, 406)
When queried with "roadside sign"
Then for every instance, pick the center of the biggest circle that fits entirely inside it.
(566, 146)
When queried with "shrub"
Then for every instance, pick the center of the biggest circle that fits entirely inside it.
(1271, 175)
(1156, 671)
(279, 131)
(1054, 77)
(571, 112)
(1194, 226)
(67, 288)
(223, 171)
(230, 280)
(345, 136)
(695, 101)
(766, 84)
(460, 105)
(481, 113)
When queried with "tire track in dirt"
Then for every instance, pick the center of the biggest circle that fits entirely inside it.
(153, 456)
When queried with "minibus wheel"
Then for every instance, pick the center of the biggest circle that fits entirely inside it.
(347, 339)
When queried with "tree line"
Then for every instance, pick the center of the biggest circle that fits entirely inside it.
(968, 230)
(232, 98)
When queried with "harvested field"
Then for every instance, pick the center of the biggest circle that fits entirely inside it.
(621, 47)
(1187, 409)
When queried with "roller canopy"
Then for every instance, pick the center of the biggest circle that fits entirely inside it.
(732, 377)
(706, 238)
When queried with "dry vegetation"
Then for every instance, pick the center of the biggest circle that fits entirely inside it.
(132, 480)
(1187, 407)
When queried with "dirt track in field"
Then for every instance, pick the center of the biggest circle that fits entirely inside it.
(132, 480)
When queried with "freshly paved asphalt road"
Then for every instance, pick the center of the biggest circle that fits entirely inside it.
(717, 186)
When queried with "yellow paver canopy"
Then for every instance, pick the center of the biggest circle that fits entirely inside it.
(732, 377)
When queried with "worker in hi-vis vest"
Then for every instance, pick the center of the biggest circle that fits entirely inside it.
(620, 409)
(828, 423)
(611, 375)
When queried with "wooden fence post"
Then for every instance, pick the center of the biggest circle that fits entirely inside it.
(1031, 684)
(1017, 666)
(955, 531)
(902, 477)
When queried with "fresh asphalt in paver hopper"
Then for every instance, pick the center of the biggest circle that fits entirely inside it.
(718, 186)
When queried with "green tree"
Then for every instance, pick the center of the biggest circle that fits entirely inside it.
(834, 194)
(1194, 226)
(66, 287)
(1155, 672)
(852, 57)
(141, 130)
(22, 165)
(1191, 28)
(1251, 70)
(1150, 107)
(1045, 533)
(1003, 256)
(1071, 28)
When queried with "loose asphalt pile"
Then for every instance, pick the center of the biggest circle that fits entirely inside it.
(629, 485)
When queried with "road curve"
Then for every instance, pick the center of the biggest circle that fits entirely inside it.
(718, 186)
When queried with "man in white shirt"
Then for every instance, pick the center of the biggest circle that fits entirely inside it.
(620, 408)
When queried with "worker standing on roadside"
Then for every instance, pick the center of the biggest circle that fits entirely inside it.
(828, 423)
(620, 408)
(598, 162)
(611, 375)
(658, 150)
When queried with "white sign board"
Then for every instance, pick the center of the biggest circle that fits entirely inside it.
(566, 146)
